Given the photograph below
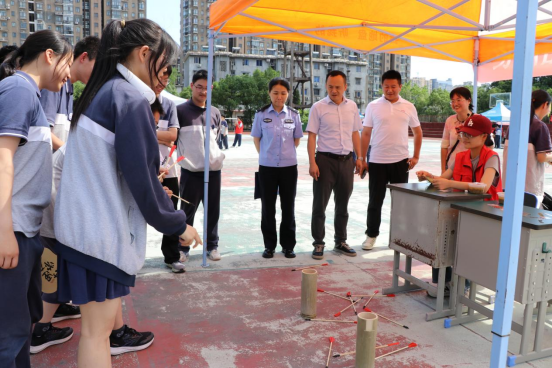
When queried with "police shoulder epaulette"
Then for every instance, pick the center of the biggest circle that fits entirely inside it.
(292, 109)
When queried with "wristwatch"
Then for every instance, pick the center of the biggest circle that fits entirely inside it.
(360, 158)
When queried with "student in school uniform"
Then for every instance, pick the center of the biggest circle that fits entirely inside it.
(478, 163)
(223, 134)
(167, 133)
(58, 106)
(276, 132)
(100, 223)
(238, 131)
(43, 61)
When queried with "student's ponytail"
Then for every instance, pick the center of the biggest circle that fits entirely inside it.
(119, 40)
(33, 46)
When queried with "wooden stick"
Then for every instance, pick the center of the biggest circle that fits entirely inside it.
(349, 306)
(369, 300)
(390, 320)
(327, 292)
(376, 296)
(411, 345)
(337, 355)
(183, 200)
(328, 320)
(309, 279)
(170, 167)
(304, 268)
(330, 352)
(170, 154)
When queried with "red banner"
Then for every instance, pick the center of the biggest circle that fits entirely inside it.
(504, 69)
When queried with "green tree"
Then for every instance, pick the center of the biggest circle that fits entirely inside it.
(186, 92)
(438, 103)
(78, 87)
(171, 87)
(296, 97)
(419, 96)
(224, 95)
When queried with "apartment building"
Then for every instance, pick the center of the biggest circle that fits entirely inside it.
(75, 19)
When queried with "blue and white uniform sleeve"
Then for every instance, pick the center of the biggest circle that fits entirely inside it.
(16, 113)
(173, 118)
(50, 104)
(256, 130)
(313, 125)
(138, 156)
(298, 133)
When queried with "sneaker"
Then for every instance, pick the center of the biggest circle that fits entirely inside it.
(129, 340)
(268, 253)
(318, 252)
(176, 267)
(369, 243)
(214, 255)
(434, 294)
(345, 249)
(50, 336)
(66, 311)
(288, 253)
(184, 256)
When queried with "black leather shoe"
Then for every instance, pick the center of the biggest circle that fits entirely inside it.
(344, 248)
(288, 253)
(268, 253)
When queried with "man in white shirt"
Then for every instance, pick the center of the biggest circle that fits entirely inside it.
(333, 128)
(385, 130)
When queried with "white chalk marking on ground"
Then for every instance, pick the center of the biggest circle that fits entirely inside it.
(217, 358)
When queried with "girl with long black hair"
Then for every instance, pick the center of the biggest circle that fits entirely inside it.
(109, 188)
(42, 62)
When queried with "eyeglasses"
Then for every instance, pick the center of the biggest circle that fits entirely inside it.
(458, 100)
(200, 88)
(466, 135)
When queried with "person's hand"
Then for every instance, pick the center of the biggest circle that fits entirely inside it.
(359, 167)
(413, 161)
(314, 171)
(441, 183)
(162, 172)
(423, 175)
(190, 236)
(9, 250)
(168, 191)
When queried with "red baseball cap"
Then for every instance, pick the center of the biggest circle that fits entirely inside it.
(476, 125)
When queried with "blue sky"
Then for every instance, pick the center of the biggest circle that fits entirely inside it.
(167, 14)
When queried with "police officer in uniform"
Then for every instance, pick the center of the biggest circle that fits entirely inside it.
(277, 131)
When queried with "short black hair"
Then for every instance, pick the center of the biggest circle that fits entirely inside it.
(156, 106)
(5, 51)
(90, 45)
(335, 73)
(200, 74)
(391, 74)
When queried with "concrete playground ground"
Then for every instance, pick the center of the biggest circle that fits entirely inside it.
(244, 311)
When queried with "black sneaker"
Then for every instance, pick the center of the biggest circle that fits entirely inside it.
(129, 340)
(318, 252)
(345, 249)
(288, 253)
(268, 253)
(434, 294)
(66, 311)
(50, 336)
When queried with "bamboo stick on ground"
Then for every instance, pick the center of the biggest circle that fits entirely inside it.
(411, 345)
(390, 320)
(328, 320)
(337, 355)
(304, 268)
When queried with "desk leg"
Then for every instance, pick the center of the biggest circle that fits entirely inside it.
(395, 288)
(525, 333)
(440, 311)
(541, 320)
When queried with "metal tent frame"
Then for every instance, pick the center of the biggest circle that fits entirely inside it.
(525, 41)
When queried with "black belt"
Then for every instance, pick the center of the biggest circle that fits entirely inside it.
(336, 157)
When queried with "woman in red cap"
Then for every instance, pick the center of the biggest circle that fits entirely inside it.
(478, 163)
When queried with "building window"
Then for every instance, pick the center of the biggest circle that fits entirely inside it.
(317, 91)
(316, 79)
(259, 63)
(22, 14)
(357, 81)
(358, 94)
(245, 61)
(317, 66)
(96, 25)
(358, 69)
(141, 15)
(223, 66)
(197, 60)
(95, 5)
(23, 25)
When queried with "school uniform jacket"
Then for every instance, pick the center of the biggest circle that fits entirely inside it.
(109, 188)
(58, 107)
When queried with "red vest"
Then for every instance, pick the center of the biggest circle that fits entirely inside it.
(463, 170)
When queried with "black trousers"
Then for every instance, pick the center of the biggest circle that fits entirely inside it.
(284, 180)
(237, 139)
(223, 139)
(169, 244)
(380, 176)
(20, 303)
(336, 176)
(191, 189)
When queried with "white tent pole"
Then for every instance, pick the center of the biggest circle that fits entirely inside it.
(475, 74)
(515, 182)
(487, 14)
(210, 71)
